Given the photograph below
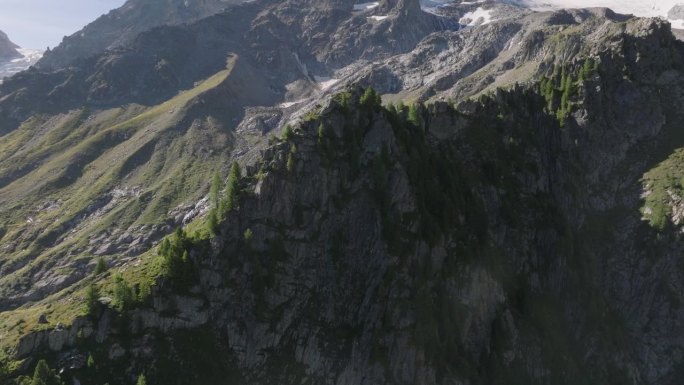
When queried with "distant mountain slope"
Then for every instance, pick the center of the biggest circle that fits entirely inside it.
(8, 50)
(27, 58)
(14, 59)
(121, 25)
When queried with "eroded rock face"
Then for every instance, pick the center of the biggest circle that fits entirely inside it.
(55, 340)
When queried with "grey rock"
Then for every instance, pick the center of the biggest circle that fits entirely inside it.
(116, 351)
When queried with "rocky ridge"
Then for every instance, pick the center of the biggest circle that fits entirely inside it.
(120, 26)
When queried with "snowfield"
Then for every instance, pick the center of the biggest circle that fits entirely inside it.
(29, 58)
(642, 8)
(647, 8)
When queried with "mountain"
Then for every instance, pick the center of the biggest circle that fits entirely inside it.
(27, 58)
(285, 54)
(8, 50)
(120, 26)
(320, 191)
(14, 59)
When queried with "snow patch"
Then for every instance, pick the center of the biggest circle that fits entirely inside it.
(480, 16)
(366, 6)
(378, 18)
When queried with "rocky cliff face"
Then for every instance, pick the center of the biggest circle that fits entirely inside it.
(82, 127)
(526, 231)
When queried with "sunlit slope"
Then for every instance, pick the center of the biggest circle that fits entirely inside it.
(88, 183)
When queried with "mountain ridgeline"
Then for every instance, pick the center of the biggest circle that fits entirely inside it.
(305, 192)
(121, 26)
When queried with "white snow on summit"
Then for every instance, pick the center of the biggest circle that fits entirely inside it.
(648, 8)
(643, 8)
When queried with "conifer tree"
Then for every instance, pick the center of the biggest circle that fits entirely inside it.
(291, 158)
(92, 299)
(213, 221)
(370, 99)
(413, 116)
(288, 132)
(230, 200)
(141, 380)
(43, 375)
(214, 191)
(123, 294)
(322, 133)
(101, 266)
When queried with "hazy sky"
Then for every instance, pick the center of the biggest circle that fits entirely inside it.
(43, 23)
